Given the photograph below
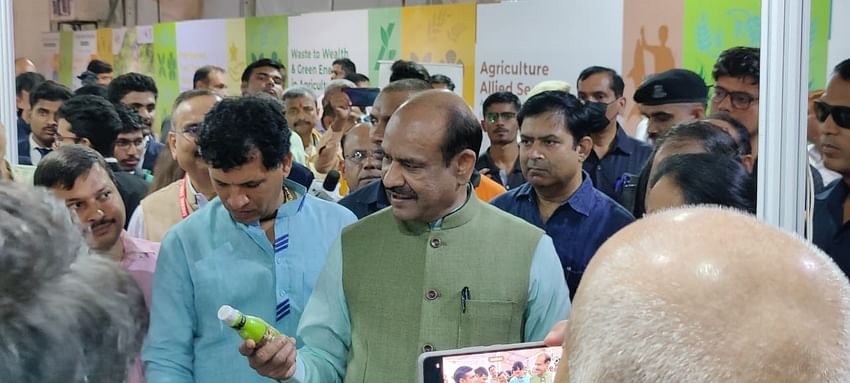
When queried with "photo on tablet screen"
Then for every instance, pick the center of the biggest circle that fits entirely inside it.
(518, 365)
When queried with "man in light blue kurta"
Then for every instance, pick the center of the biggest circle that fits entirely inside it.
(258, 247)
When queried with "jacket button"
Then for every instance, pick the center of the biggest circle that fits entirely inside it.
(435, 243)
(427, 348)
(431, 295)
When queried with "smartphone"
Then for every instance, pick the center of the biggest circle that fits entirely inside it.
(499, 361)
(362, 97)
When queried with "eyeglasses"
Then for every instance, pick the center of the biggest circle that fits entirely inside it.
(190, 132)
(840, 114)
(125, 144)
(493, 117)
(58, 139)
(740, 100)
(361, 155)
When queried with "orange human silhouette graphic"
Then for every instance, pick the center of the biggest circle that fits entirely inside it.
(663, 55)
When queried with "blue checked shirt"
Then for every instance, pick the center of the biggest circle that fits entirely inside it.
(209, 260)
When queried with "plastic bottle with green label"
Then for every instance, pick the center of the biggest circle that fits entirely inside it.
(248, 326)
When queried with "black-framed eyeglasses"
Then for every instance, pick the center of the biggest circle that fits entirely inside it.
(740, 100)
(493, 117)
(840, 114)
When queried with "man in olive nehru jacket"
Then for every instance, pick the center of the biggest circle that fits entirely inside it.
(438, 270)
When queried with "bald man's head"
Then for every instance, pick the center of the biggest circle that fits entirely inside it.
(687, 296)
(23, 65)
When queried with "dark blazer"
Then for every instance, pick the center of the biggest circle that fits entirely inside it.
(132, 189)
(150, 155)
(24, 142)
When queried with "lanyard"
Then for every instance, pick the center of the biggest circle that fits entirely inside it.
(181, 195)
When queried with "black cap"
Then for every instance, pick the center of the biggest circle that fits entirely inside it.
(672, 87)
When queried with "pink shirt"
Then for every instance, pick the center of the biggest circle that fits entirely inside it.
(140, 261)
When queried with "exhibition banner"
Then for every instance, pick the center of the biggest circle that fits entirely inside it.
(317, 39)
(442, 34)
(166, 73)
(200, 43)
(236, 53)
(48, 62)
(384, 39)
(104, 45)
(267, 37)
(652, 43)
(710, 27)
(507, 60)
(85, 49)
(66, 58)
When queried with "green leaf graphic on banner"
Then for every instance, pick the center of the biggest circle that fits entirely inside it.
(384, 38)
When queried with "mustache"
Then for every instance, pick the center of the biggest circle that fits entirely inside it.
(403, 191)
(537, 164)
(101, 223)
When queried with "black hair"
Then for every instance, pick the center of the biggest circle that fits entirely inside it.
(737, 62)
(356, 77)
(97, 67)
(346, 64)
(442, 79)
(130, 120)
(617, 84)
(237, 128)
(51, 91)
(460, 373)
(130, 82)
(203, 73)
(93, 118)
(481, 371)
(713, 140)
(501, 98)
(708, 178)
(744, 139)
(843, 69)
(517, 366)
(27, 82)
(402, 69)
(63, 166)
(94, 90)
(246, 74)
(463, 131)
(579, 119)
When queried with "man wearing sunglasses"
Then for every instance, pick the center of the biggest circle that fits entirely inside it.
(832, 206)
(164, 208)
(736, 88)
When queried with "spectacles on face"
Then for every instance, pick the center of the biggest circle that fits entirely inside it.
(190, 132)
(493, 117)
(125, 144)
(740, 100)
(840, 114)
(361, 155)
(59, 139)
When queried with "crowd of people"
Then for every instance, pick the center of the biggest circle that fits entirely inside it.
(426, 242)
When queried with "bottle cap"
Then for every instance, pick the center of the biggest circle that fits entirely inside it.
(228, 315)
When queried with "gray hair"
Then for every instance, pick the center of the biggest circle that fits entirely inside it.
(338, 84)
(67, 316)
(299, 91)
